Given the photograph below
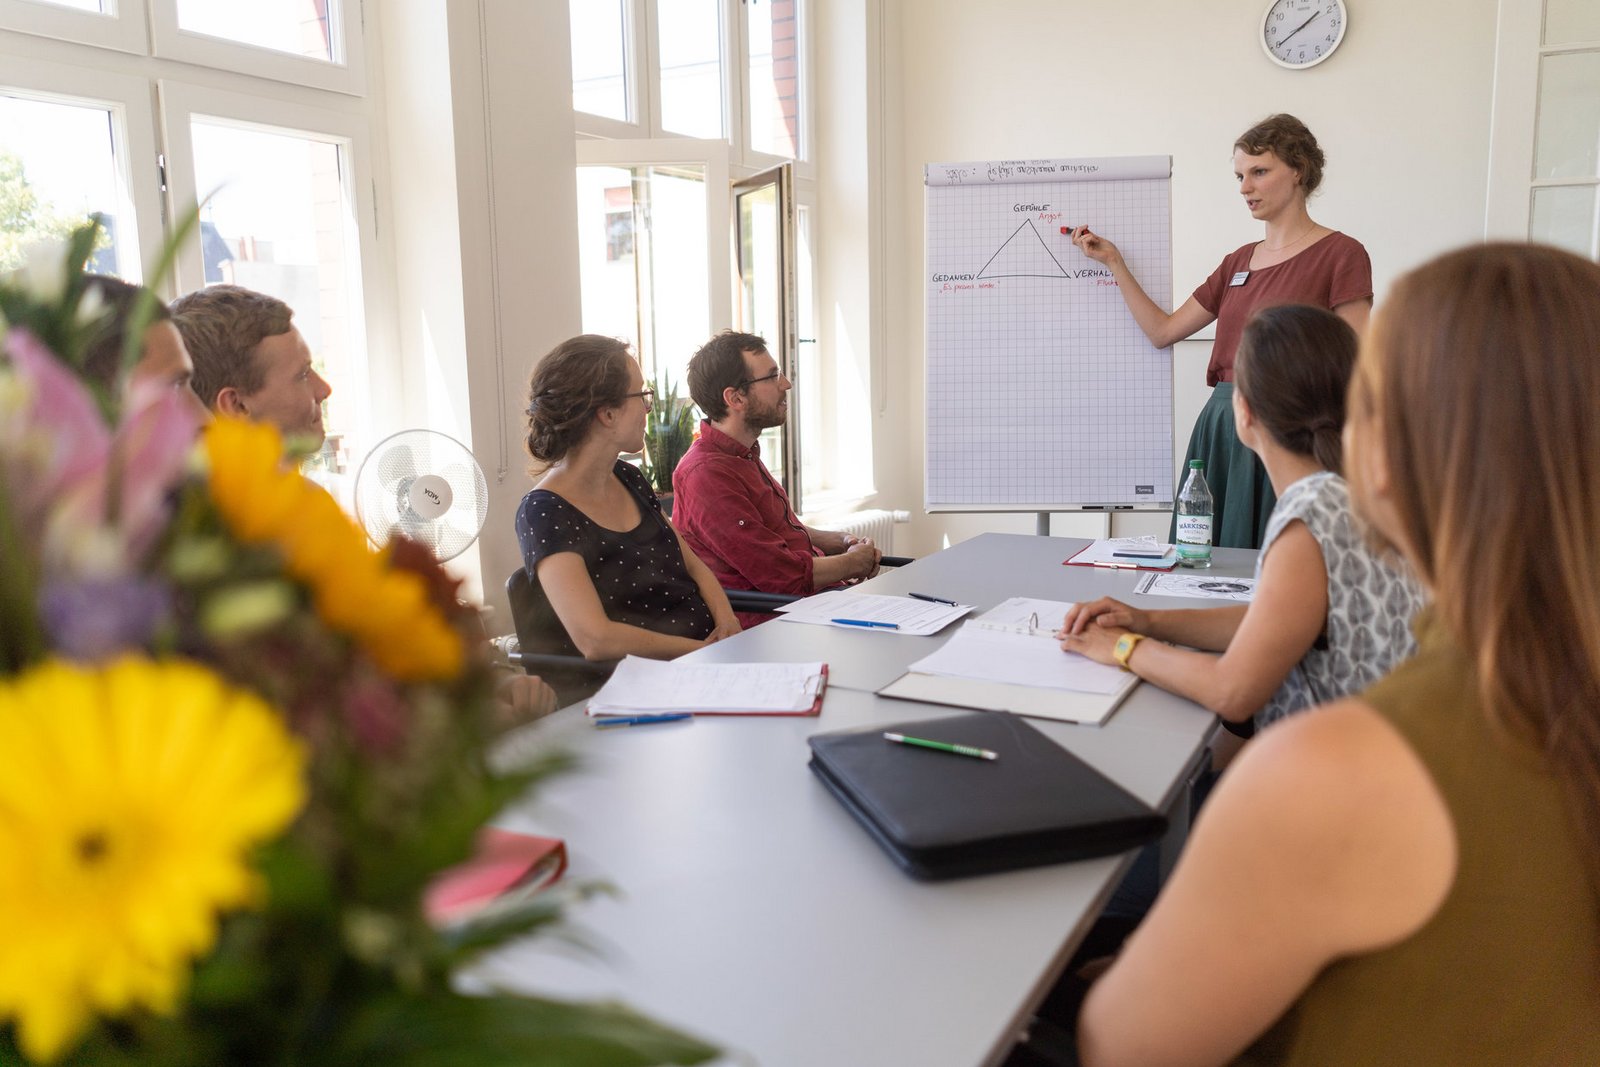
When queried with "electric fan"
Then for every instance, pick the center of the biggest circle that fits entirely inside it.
(425, 485)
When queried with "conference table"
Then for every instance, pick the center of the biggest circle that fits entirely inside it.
(755, 913)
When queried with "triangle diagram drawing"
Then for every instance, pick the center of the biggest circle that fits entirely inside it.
(1024, 255)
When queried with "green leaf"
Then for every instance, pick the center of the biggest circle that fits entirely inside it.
(448, 1030)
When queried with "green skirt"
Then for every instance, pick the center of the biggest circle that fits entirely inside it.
(1239, 484)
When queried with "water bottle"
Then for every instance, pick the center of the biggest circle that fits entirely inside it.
(1194, 518)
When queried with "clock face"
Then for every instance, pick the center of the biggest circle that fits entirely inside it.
(1302, 33)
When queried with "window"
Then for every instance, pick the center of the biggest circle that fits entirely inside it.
(690, 45)
(60, 163)
(287, 186)
(773, 70)
(647, 274)
(764, 237)
(1544, 180)
(675, 101)
(600, 58)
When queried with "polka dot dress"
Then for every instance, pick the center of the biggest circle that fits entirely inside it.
(639, 575)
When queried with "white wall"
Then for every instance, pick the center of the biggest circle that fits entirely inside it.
(1407, 141)
(480, 112)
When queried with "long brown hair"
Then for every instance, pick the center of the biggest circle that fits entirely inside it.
(1482, 373)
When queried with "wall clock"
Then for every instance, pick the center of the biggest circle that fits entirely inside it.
(1302, 33)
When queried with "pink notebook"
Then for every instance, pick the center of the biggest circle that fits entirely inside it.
(506, 869)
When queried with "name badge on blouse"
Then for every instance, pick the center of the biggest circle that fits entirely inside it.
(1239, 279)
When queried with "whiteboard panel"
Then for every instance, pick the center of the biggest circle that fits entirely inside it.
(1042, 392)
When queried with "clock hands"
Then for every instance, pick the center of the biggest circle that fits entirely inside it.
(1285, 39)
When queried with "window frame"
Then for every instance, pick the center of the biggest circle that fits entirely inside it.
(124, 31)
(168, 40)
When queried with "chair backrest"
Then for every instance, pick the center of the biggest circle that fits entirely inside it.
(538, 627)
(546, 650)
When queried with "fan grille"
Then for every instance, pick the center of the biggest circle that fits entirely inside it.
(391, 470)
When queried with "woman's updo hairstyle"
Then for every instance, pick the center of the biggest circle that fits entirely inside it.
(1287, 138)
(580, 376)
(1293, 369)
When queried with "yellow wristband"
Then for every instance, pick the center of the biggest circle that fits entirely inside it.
(1124, 649)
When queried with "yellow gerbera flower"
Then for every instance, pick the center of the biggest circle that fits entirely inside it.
(355, 590)
(130, 796)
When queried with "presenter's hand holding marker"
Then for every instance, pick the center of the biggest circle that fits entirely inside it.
(1105, 612)
(1096, 247)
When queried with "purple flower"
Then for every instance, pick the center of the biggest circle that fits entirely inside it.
(378, 717)
(93, 619)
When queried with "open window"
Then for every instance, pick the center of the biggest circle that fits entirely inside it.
(764, 258)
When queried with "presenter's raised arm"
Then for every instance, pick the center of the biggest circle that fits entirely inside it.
(1161, 328)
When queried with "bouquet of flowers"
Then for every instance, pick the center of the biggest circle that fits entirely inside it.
(236, 744)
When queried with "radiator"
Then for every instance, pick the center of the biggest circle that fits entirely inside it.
(875, 523)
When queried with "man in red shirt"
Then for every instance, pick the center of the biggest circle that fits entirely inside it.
(726, 505)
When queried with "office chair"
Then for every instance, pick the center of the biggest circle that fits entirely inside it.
(545, 648)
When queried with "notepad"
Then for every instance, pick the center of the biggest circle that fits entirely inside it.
(943, 816)
(1009, 659)
(648, 686)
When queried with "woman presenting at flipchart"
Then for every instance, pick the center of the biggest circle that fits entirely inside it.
(1299, 261)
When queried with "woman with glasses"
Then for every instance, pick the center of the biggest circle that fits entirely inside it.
(592, 532)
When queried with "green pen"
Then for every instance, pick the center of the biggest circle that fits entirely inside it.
(942, 746)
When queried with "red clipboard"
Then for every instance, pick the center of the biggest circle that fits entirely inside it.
(1128, 565)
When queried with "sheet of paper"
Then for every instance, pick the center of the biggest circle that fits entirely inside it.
(1036, 659)
(915, 617)
(1211, 587)
(648, 685)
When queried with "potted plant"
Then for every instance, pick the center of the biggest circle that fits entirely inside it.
(668, 433)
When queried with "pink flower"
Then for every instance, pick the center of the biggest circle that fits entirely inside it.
(73, 480)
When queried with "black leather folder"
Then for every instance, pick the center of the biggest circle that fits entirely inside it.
(941, 815)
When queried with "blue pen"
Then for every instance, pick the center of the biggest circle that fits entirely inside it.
(643, 720)
(867, 623)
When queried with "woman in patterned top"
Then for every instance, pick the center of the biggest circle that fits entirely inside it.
(592, 532)
(1329, 616)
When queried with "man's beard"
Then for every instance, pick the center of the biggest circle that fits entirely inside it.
(764, 418)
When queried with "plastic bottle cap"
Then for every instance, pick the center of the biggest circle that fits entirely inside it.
(1197, 464)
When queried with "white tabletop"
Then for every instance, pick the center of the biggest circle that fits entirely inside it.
(758, 915)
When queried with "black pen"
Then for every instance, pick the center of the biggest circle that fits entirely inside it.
(933, 599)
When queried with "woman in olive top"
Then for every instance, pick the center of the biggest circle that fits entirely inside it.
(1412, 875)
(1278, 164)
